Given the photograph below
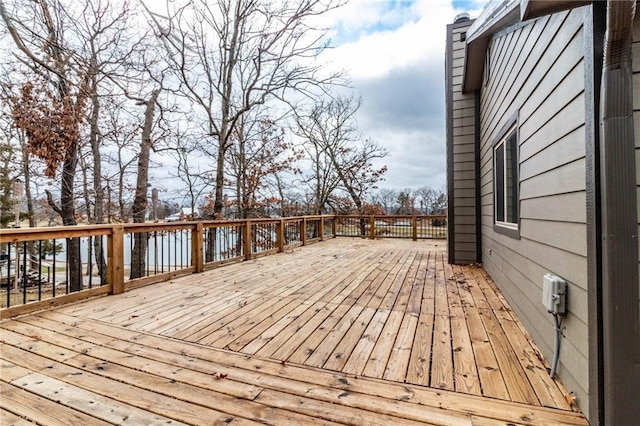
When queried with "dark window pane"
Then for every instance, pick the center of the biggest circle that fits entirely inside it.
(512, 177)
(499, 183)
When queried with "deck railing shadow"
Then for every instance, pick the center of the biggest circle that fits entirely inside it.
(36, 272)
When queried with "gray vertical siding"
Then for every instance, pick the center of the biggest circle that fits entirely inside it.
(461, 140)
(537, 70)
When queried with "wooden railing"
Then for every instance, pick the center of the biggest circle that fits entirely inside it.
(36, 273)
(414, 227)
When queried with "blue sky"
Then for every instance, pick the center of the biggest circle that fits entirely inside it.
(388, 16)
(394, 52)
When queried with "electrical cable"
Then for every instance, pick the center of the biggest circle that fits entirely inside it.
(557, 320)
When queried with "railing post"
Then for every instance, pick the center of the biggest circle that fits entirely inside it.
(281, 236)
(247, 240)
(334, 226)
(415, 227)
(197, 247)
(372, 225)
(303, 231)
(115, 260)
(321, 228)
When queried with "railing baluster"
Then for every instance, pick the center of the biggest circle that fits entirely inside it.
(9, 274)
(24, 273)
(39, 269)
(162, 234)
(89, 263)
(54, 269)
(147, 254)
(101, 270)
(175, 251)
(66, 268)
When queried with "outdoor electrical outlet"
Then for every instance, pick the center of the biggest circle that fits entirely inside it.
(554, 294)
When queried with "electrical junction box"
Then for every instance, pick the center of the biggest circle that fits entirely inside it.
(554, 294)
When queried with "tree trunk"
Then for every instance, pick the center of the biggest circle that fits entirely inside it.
(27, 192)
(140, 202)
(68, 215)
(27, 186)
(94, 138)
(217, 202)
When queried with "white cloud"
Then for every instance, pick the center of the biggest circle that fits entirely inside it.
(395, 54)
(407, 35)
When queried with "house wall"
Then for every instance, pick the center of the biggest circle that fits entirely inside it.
(461, 152)
(537, 70)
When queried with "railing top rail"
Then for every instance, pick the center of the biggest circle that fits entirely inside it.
(158, 226)
(12, 235)
(392, 216)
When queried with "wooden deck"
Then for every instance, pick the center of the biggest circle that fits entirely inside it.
(346, 331)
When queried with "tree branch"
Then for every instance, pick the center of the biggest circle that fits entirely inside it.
(52, 202)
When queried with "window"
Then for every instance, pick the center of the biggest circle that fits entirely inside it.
(486, 71)
(505, 178)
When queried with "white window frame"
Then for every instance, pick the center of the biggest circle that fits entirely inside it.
(505, 214)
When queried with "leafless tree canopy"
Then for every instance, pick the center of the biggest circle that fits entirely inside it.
(233, 56)
(225, 107)
(341, 158)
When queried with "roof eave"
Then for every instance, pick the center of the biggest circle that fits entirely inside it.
(478, 41)
(531, 9)
(477, 47)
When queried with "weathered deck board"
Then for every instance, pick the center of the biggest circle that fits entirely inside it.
(347, 331)
(142, 360)
(8, 418)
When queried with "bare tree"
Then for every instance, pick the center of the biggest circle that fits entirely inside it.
(11, 164)
(385, 198)
(193, 174)
(432, 201)
(406, 202)
(7, 161)
(50, 107)
(105, 49)
(288, 199)
(233, 55)
(322, 179)
(138, 262)
(259, 154)
(341, 157)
